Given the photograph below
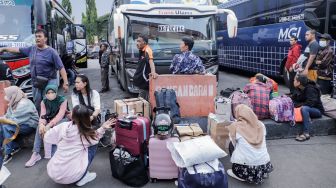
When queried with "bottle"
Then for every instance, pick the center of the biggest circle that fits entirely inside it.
(107, 114)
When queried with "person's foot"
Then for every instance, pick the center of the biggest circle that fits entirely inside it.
(33, 159)
(89, 176)
(230, 173)
(7, 158)
(103, 90)
(14, 151)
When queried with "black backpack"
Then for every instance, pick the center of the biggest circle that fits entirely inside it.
(167, 98)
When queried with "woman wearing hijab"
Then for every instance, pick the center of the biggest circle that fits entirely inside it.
(53, 110)
(250, 159)
(22, 111)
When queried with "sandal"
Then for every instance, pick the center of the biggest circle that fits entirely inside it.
(301, 138)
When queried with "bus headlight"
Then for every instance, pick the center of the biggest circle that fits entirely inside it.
(22, 71)
(212, 70)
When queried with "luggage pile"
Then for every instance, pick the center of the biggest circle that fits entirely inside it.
(165, 149)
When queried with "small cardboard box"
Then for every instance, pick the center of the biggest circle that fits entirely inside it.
(138, 105)
(217, 129)
(189, 130)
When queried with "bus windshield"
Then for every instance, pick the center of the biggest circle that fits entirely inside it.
(16, 23)
(165, 34)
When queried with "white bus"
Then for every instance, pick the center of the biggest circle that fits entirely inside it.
(165, 23)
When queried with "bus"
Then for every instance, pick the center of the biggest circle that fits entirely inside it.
(166, 22)
(18, 21)
(265, 28)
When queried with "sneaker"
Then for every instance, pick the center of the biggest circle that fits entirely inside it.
(230, 173)
(7, 158)
(89, 176)
(14, 151)
(33, 159)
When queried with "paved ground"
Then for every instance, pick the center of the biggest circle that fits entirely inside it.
(297, 165)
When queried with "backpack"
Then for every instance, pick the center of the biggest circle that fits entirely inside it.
(237, 98)
(282, 109)
(167, 98)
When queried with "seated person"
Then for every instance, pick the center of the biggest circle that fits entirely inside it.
(23, 112)
(308, 97)
(187, 62)
(68, 63)
(259, 93)
(53, 110)
(84, 95)
(76, 147)
(249, 156)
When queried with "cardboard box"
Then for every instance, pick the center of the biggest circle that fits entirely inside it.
(138, 105)
(217, 129)
(3, 103)
(189, 130)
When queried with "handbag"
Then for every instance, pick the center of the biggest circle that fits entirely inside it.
(298, 115)
(128, 169)
(216, 179)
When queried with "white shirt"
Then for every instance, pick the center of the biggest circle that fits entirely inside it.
(95, 100)
(246, 154)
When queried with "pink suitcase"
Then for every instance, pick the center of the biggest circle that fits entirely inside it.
(161, 164)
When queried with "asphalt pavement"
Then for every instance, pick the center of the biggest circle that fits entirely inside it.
(297, 165)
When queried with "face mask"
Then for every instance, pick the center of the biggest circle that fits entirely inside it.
(51, 96)
(323, 43)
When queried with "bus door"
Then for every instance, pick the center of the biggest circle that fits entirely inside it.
(78, 35)
(332, 18)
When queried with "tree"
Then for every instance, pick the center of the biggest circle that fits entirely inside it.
(102, 23)
(89, 19)
(66, 4)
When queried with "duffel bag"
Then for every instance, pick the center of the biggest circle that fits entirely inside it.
(329, 105)
(128, 169)
(282, 109)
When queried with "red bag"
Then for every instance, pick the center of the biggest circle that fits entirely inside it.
(298, 115)
(133, 134)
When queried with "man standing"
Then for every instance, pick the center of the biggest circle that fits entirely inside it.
(146, 67)
(325, 64)
(292, 57)
(104, 66)
(44, 64)
(309, 66)
(187, 62)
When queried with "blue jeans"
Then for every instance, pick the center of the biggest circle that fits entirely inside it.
(38, 94)
(8, 132)
(307, 113)
(71, 76)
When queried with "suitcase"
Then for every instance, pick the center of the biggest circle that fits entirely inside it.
(133, 134)
(281, 109)
(161, 164)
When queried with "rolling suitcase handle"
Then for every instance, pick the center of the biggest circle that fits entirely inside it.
(125, 124)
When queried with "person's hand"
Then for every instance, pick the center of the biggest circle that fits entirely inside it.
(153, 75)
(305, 72)
(42, 129)
(109, 123)
(318, 62)
(65, 87)
(290, 69)
(91, 118)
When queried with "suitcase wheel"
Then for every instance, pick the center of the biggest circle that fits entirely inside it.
(153, 180)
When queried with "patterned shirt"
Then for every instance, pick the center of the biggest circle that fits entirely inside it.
(187, 63)
(259, 93)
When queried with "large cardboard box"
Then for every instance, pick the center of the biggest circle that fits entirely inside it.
(3, 103)
(217, 129)
(138, 105)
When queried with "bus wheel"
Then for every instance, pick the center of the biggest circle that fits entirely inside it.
(286, 77)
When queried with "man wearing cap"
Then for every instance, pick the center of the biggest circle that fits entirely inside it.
(325, 64)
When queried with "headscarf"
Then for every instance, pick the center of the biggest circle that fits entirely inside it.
(52, 106)
(248, 126)
(14, 94)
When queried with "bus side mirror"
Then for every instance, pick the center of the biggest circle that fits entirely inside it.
(118, 20)
(40, 11)
(78, 32)
(231, 21)
(232, 25)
